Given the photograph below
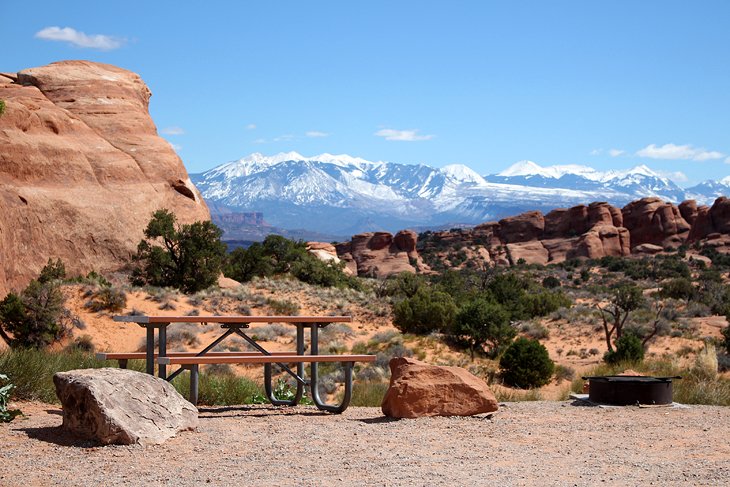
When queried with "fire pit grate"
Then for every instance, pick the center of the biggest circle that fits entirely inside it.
(625, 390)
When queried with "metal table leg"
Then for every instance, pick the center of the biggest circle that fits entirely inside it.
(332, 408)
(162, 369)
(299, 376)
(150, 349)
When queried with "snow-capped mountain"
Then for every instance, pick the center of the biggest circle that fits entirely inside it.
(342, 195)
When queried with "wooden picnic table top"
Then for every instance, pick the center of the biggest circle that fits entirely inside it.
(144, 319)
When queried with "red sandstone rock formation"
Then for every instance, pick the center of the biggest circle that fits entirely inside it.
(82, 169)
(380, 254)
(651, 220)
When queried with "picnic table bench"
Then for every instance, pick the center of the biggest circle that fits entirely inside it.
(234, 325)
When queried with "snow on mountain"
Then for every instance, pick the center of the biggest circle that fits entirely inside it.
(342, 193)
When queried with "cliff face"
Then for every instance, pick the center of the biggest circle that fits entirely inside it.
(81, 170)
(594, 231)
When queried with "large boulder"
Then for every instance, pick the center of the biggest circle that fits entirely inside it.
(117, 406)
(418, 389)
(82, 169)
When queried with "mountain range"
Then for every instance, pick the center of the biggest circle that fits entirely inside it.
(341, 195)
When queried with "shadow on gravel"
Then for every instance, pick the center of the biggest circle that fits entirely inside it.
(378, 420)
(58, 436)
(255, 412)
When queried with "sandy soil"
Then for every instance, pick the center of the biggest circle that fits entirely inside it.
(537, 443)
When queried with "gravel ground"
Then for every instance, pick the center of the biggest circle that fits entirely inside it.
(529, 443)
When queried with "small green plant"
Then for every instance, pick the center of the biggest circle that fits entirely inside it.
(628, 349)
(6, 415)
(526, 364)
(2, 107)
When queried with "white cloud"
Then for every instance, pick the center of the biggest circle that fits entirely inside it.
(727, 161)
(176, 147)
(316, 133)
(259, 141)
(173, 131)
(596, 152)
(616, 152)
(672, 151)
(284, 138)
(402, 135)
(251, 126)
(79, 39)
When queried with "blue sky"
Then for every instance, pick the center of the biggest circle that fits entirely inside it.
(610, 84)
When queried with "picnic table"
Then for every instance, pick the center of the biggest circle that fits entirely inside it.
(156, 326)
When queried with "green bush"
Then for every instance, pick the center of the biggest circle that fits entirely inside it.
(426, 311)
(190, 258)
(6, 415)
(678, 288)
(526, 364)
(544, 303)
(34, 316)
(628, 349)
(277, 255)
(2, 107)
(551, 282)
(481, 324)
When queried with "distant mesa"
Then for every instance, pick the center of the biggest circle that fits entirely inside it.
(82, 168)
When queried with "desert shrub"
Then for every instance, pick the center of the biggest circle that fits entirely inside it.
(368, 394)
(715, 295)
(551, 282)
(2, 107)
(726, 337)
(526, 364)
(628, 349)
(563, 372)
(52, 271)
(277, 255)
(705, 363)
(84, 343)
(697, 310)
(403, 285)
(678, 288)
(107, 298)
(190, 258)
(544, 303)
(326, 274)
(282, 307)
(34, 317)
(6, 415)
(534, 329)
(481, 324)
(428, 310)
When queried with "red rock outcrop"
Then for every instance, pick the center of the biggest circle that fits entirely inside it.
(644, 227)
(380, 254)
(653, 221)
(418, 389)
(82, 169)
(521, 228)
